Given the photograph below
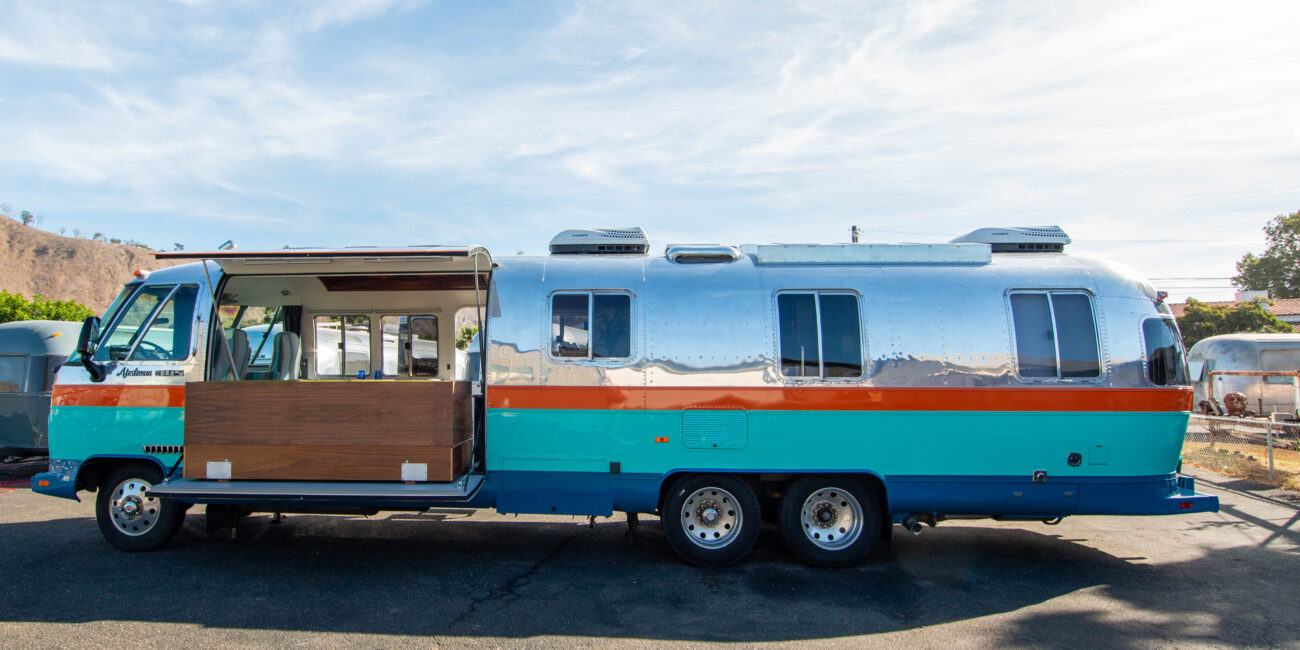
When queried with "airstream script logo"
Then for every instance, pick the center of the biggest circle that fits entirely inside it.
(135, 372)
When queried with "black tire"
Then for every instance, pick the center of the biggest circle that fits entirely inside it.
(711, 520)
(830, 521)
(128, 519)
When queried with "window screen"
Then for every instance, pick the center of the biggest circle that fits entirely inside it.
(342, 345)
(410, 345)
(591, 326)
(821, 335)
(1165, 361)
(1056, 336)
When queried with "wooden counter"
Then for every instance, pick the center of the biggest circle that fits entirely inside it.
(355, 430)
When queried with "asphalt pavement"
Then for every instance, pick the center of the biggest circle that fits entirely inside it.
(456, 578)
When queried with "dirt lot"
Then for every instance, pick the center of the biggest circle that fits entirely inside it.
(479, 578)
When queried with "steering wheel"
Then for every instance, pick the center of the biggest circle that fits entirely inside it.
(150, 350)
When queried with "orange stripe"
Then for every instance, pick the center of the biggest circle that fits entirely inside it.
(818, 398)
(101, 395)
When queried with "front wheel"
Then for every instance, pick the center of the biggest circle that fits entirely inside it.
(129, 518)
(711, 520)
(830, 521)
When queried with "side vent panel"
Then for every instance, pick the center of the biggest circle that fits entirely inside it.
(708, 429)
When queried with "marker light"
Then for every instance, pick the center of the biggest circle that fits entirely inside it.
(1186, 505)
(661, 439)
(141, 273)
(43, 483)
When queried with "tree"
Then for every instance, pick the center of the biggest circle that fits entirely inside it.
(1278, 269)
(178, 246)
(1200, 320)
(463, 336)
(13, 306)
(27, 218)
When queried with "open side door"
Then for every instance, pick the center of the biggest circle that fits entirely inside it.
(345, 261)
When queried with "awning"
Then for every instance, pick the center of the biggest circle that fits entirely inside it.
(344, 261)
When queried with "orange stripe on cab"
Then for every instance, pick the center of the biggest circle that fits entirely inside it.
(103, 395)
(859, 398)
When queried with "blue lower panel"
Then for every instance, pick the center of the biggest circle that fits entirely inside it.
(1016, 497)
(600, 493)
(574, 493)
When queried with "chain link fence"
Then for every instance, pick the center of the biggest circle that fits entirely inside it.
(1252, 448)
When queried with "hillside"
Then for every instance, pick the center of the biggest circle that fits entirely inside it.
(67, 268)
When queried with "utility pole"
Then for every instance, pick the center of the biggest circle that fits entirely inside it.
(854, 233)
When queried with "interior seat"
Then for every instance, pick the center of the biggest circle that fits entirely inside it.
(237, 342)
(284, 356)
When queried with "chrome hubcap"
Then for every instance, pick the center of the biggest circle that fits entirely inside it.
(711, 517)
(831, 518)
(132, 512)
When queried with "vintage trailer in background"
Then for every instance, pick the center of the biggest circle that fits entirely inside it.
(839, 388)
(1259, 353)
(31, 352)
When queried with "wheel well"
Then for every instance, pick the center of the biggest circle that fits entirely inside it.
(94, 470)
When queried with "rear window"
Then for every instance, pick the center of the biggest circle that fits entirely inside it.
(1166, 365)
(1056, 335)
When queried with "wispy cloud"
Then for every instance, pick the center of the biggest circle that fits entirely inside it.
(1155, 120)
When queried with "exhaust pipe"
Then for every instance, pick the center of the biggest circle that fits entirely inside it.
(912, 524)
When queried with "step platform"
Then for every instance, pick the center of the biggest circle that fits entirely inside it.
(314, 493)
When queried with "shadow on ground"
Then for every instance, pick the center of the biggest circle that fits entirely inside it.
(429, 574)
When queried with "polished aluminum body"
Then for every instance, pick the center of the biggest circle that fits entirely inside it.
(1247, 352)
(929, 324)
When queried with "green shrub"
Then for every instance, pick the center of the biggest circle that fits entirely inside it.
(13, 306)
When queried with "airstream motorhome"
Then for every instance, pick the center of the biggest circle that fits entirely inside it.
(31, 352)
(1252, 353)
(842, 388)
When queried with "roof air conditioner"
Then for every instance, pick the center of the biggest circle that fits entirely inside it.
(1020, 239)
(601, 241)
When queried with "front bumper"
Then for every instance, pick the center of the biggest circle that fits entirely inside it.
(60, 481)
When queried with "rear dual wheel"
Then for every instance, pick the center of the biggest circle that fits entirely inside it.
(830, 521)
(711, 520)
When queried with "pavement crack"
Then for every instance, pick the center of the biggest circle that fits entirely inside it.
(509, 592)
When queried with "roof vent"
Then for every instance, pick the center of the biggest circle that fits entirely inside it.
(1022, 239)
(701, 253)
(601, 241)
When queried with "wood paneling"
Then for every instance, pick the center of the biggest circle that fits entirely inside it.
(327, 463)
(356, 412)
(358, 430)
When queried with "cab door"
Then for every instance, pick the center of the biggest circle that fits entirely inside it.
(148, 348)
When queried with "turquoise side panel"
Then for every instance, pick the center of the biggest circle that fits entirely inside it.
(884, 442)
(78, 432)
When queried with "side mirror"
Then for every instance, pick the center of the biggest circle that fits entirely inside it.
(86, 348)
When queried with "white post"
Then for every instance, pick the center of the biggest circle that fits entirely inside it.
(1270, 450)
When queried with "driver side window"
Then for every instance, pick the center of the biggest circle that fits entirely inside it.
(157, 325)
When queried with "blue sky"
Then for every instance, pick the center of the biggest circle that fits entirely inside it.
(1160, 134)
